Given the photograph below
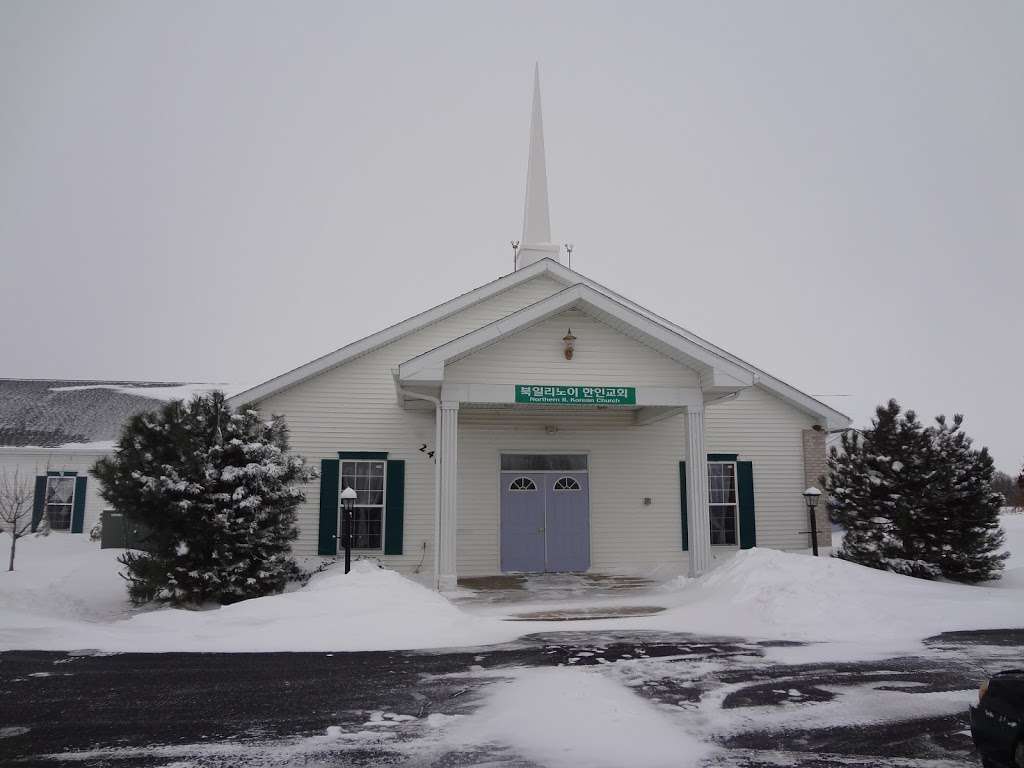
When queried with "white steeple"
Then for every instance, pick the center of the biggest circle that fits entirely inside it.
(536, 243)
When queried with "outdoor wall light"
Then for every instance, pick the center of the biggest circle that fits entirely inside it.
(811, 496)
(570, 344)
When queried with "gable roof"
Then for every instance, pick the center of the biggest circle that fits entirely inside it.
(78, 414)
(567, 277)
(714, 369)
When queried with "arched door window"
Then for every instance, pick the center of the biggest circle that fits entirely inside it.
(522, 484)
(567, 484)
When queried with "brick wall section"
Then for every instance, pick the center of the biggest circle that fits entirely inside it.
(814, 468)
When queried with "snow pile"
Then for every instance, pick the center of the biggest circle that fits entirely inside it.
(370, 608)
(572, 717)
(66, 595)
(772, 594)
(62, 576)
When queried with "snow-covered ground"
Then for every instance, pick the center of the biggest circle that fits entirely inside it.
(66, 594)
(571, 717)
(61, 577)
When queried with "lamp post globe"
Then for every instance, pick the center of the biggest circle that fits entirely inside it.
(348, 503)
(811, 496)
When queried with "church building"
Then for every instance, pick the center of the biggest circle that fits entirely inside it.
(543, 422)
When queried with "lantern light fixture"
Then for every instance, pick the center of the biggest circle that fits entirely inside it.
(570, 344)
(348, 503)
(811, 497)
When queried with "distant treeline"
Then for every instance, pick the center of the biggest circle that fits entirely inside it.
(1009, 487)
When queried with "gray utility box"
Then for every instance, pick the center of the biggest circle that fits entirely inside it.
(119, 533)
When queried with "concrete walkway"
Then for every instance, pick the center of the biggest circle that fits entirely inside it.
(558, 596)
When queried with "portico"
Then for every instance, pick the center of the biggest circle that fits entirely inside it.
(668, 378)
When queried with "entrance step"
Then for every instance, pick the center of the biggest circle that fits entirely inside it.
(587, 614)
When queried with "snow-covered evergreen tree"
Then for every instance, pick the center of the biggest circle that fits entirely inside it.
(874, 491)
(217, 491)
(915, 500)
(961, 533)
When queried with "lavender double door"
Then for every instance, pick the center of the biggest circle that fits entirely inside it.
(545, 521)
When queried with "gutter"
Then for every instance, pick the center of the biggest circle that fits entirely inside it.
(437, 470)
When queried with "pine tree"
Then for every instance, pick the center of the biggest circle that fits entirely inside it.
(217, 491)
(874, 492)
(915, 500)
(961, 533)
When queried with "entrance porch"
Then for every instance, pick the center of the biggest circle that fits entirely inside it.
(634, 409)
(533, 489)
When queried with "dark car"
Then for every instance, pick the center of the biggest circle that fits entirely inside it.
(997, 723)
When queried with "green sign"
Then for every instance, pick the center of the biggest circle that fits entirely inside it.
(551, 395)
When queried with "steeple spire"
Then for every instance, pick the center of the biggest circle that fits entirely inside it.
(536, 243)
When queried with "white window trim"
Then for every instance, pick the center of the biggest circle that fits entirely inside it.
(70, 505)
(383, 503)
(735, 505)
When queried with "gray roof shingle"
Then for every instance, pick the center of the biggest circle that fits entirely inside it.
(49, 413)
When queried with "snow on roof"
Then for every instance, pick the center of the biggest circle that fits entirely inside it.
(79, 414)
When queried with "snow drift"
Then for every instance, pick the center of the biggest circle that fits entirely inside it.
(771, 594)
(66, 595)
(368, 609)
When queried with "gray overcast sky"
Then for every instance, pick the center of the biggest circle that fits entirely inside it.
(223, 191)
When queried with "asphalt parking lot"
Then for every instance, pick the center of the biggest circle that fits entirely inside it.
(273, 709)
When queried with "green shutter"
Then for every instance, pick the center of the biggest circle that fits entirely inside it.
(328, 540)
(39, 502)
(78, 510)
(394, 514)
(745, 486)
(682, 504)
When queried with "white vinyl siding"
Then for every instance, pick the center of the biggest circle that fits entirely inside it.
(603, 356)
(353, 407)
(766, 431)
(34, 462)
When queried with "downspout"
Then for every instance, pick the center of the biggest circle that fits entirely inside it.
(437, 470)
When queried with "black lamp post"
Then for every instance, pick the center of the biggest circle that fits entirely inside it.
(811, 496)
(348, 503)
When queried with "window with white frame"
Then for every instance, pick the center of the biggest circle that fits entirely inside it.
(60, 499)
(722, 502)
(366, 478)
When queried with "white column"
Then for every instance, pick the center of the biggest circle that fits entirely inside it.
(447, 573)
(698, 518)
